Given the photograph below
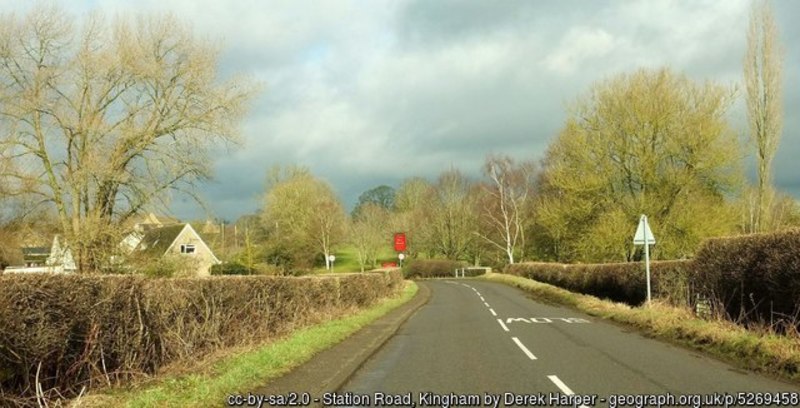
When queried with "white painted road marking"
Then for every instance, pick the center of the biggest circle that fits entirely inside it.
(503, 325)
(546, 320)
(493, 313)
(524, 349)
(563, 387)
(487, 305)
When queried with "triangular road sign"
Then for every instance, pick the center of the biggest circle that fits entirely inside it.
(643, 233)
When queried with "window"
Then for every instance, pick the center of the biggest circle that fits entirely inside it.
(187, 248)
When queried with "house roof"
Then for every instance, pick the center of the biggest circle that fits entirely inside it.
(36, 251)
(156, 241)
(32, 254)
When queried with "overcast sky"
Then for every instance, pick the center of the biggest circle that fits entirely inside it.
(372, 92)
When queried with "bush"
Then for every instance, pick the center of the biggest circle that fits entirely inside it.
(753, 278)
(231, 268)
(620, 282)
(80, 329)
(431, 268)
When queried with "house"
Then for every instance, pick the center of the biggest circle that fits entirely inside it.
(141, 225)
(178, 240)
(56, 258)
(150, 221)
(33, 257)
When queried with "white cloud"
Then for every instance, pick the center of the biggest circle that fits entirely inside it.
(578, 48)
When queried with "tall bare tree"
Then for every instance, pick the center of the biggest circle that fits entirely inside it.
(503, 208)
(303, 215)
(105, 119)
(414, 203)
(369, 232)
(763, 75)
(453, 217)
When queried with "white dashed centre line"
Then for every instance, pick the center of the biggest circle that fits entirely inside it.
(493, 313)
(503, 325)
(563, 387)
(487, 305)
(524, 349)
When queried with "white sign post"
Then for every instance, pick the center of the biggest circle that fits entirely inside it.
(644, 236)
(401, 256)
(331, 258)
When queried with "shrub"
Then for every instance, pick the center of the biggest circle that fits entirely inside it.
(76, 330)
(620, 282)
(231, 268)
(431, 268)
(753, 278)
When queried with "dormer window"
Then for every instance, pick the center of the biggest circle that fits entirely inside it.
(187, 248)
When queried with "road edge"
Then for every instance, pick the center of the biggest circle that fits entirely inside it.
(329, 370)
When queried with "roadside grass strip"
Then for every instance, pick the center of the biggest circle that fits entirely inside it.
(248, 370)
(761, 352)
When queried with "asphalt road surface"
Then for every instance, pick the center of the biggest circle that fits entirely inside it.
(477, 338)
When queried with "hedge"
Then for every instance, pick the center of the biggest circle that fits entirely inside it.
(749, 279)
(620, 282)
(231, 268)
(431, 268)
(753, 278)
(80, 330)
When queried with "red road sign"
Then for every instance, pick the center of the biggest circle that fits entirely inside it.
(400, 241)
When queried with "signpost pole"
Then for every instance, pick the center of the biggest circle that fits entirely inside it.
(647, 259)
(644, 236)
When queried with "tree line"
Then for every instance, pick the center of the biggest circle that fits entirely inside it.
(652, 141)
(107, 119)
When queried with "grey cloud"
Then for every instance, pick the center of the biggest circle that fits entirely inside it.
(369, 93)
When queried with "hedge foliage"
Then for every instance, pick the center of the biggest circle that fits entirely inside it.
(750, 279)
(231, 268)
(620, 282)
(77, 330)
(431, 268)
(753, 278)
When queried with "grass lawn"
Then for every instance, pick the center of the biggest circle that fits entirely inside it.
(246, 369)
(347, 260)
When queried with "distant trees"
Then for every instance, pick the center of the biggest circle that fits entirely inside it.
(650, 142)
(304, 218)
(504, 207)
(763, 75)
(382, 196)
(453, 218)
(413, 207)
(369, 233)
(106, 119)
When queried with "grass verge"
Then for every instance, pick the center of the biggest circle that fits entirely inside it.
(248, 369)
(347, 260)
(761, 352)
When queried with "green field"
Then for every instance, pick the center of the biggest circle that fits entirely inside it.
(347, 260)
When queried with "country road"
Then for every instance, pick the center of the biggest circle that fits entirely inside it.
(476, 337)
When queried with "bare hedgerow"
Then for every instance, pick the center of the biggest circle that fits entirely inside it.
(60, 333)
